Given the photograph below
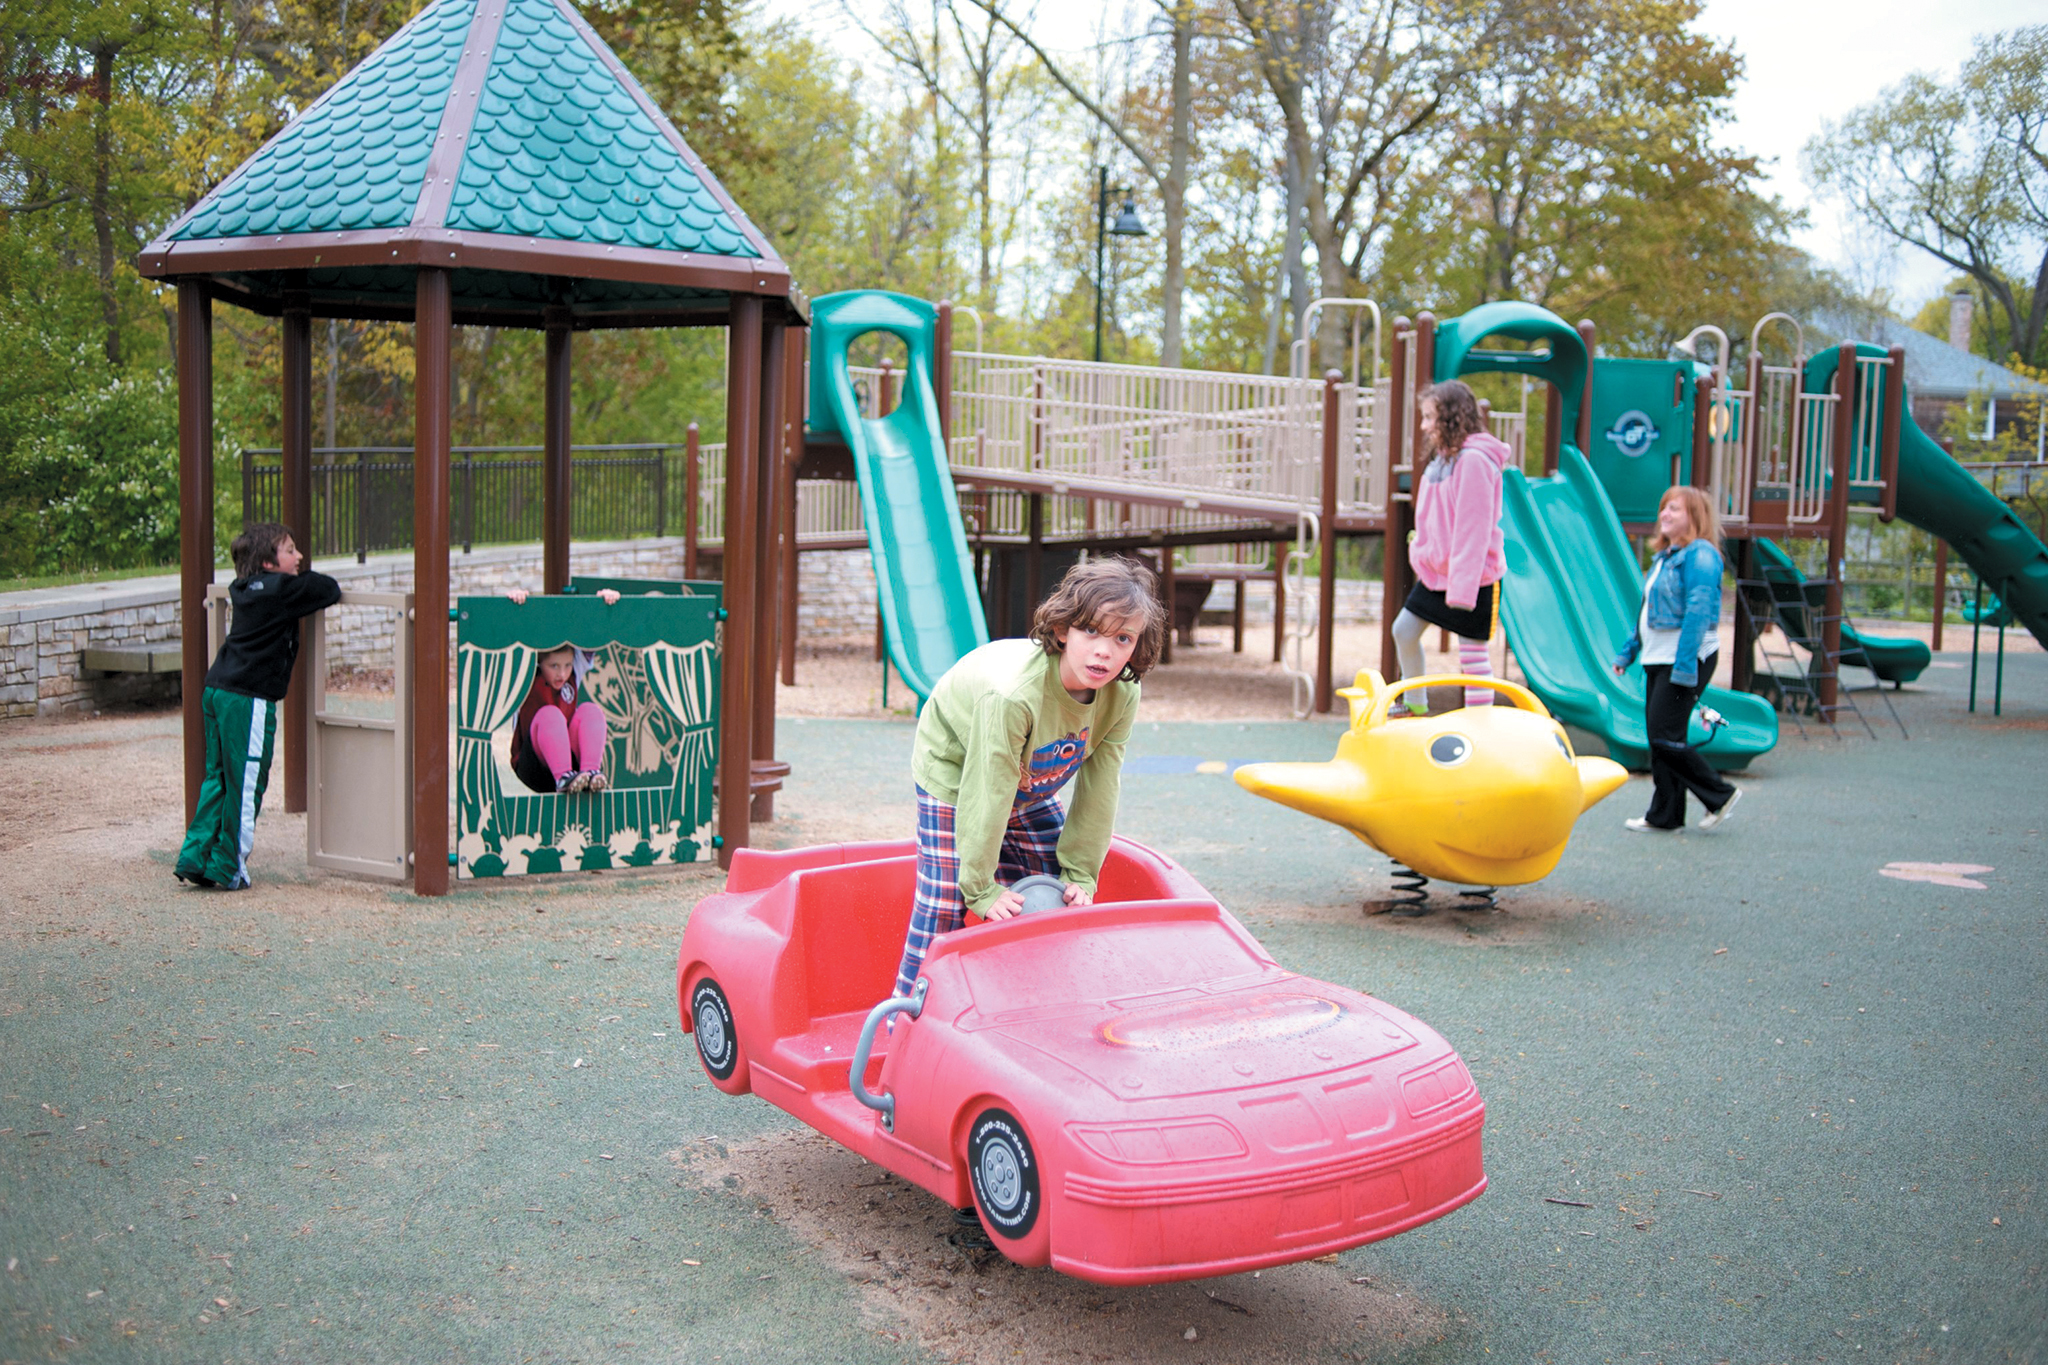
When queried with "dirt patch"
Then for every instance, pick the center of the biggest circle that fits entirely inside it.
(892, 1239)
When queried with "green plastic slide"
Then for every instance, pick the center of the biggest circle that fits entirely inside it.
(1893, 660)
(1572, 594)
(931, 610)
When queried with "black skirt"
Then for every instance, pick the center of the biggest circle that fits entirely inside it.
(1476, 624)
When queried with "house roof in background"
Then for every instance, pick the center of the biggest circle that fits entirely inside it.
(501, 140)
(1934, 369)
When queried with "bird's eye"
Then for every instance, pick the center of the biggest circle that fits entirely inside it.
(1448, 751)
(1562, 746)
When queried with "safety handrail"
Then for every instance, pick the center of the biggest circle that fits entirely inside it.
(885, 1103)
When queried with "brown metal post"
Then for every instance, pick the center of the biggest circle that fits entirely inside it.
(1838, 526)
(942, 377)
(1888, 441)
(432, 330)
(1553, 427)
(1703, 432)
(1034, 559)
(1584, 429)
(691, 499)
(1752, 422)
(1281, 550)
(296, 436)
(790, 450)
(1326, 599)
(763, 772)
(1237, 617)
(885, 390)
(1940, 588)
(1394, 538)
(742, 489)
(1167, 595)
(195, 517)
(1742, 652)
(554, 460)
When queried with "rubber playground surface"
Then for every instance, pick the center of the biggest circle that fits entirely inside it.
(1773, 1093)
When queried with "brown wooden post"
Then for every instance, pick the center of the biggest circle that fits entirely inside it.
(1280, 553)
(885, 389)
(1584, 429)
(764, 774)
(1394, 536)
(296, 436)
(1703, 432)
(556, 485)
(1940, 588)
(1838, 526)
(1326, 599)
(1034, 561)
(742, 490)
(1166, 594)
(942, 379)
(1237, 616)
(1742, 653)
(195, 518)
(432, 325)
(692, 500)
(790, 451)
(1888, 440)
(1553, 427)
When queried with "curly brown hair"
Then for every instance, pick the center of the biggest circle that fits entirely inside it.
(1101, 591)
(1457, 416)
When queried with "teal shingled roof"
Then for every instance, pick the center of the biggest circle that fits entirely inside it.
(356, 158)
(560, 145)
(561, 148)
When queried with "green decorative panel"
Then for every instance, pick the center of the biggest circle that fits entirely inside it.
(1642, 423)
(654, 669)
(562, 149)
(356, 158)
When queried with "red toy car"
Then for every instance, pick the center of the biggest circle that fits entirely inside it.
(1131, 1092)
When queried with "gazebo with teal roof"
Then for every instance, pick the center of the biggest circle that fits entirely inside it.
(492, 163)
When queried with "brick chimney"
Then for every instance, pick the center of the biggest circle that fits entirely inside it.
(1959, 305)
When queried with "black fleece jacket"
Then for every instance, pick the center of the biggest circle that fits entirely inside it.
(263, 636)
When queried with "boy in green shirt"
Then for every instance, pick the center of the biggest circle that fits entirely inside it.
(1003, 731)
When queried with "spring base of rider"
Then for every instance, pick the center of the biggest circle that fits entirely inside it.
(1479, 898)
(1410, 899)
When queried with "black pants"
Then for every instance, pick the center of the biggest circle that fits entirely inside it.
(1675, 765)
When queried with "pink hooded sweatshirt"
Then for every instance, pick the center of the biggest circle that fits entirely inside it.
(1457, 546)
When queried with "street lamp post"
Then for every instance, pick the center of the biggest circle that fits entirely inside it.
(1127, 224)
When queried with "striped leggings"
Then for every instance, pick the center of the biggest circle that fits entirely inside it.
(1473, 658)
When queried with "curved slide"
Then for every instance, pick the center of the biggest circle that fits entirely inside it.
(1570, 598)
(1942, 498)
(924, 575)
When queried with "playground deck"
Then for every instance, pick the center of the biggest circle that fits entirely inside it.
(1749, 1098)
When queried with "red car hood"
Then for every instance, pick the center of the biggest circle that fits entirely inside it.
(1283, 1028)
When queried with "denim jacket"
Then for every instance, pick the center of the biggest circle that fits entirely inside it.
(1687, 595)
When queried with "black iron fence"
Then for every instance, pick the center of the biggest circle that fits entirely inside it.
(363, 495)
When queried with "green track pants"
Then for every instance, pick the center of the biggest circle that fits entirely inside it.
(240, 734)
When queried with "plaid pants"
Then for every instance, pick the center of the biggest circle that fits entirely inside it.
(1030, 847)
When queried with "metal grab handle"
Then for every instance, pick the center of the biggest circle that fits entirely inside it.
(912, 1005)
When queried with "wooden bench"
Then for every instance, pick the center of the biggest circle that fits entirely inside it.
(166, 656)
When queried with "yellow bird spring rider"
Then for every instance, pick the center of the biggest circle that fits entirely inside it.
(1483, 796)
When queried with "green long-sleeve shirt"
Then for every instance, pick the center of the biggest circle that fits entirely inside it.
(998, 728)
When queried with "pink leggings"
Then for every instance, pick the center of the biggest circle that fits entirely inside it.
(582, 735)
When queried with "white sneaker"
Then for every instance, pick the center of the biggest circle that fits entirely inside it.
(1639, 825)
(1714, 817)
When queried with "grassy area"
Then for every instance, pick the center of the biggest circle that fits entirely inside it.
(61, 580)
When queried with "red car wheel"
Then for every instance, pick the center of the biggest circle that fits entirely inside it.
(1004, 1170)
(718, 1040)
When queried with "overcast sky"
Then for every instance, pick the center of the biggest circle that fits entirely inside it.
(1807, 63)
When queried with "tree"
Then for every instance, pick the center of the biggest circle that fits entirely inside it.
(1960, 171)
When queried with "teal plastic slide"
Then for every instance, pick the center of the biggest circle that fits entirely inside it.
(1892, 660)
(1571, 596)
(931, 609)
(1941, 497)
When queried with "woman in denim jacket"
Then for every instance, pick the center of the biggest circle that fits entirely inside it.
(1678, 639)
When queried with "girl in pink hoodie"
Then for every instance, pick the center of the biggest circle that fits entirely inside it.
(1456, 548)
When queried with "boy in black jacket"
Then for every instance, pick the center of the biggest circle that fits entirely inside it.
(272, 591)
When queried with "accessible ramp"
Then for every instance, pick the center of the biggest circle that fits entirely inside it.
(1571, 595)
(1894, 660)
(924, 574)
